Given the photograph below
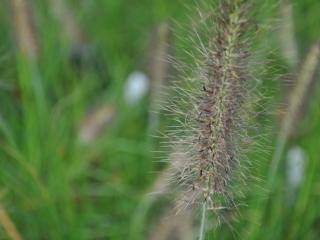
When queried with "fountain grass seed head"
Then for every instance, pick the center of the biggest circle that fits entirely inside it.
(212, 109)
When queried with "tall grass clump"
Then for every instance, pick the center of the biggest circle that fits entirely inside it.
(213, 107)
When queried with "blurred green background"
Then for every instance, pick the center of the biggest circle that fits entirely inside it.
(78, 80)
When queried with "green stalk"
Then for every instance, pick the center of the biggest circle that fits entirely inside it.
(202, 231)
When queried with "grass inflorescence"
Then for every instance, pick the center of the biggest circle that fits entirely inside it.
(212, 109)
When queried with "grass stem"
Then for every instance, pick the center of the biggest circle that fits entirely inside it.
(202, 232)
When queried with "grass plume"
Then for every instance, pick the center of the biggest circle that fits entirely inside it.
(22, 19)
(296, 103)
(213, 103)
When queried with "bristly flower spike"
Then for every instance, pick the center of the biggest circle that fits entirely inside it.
(214, 107)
